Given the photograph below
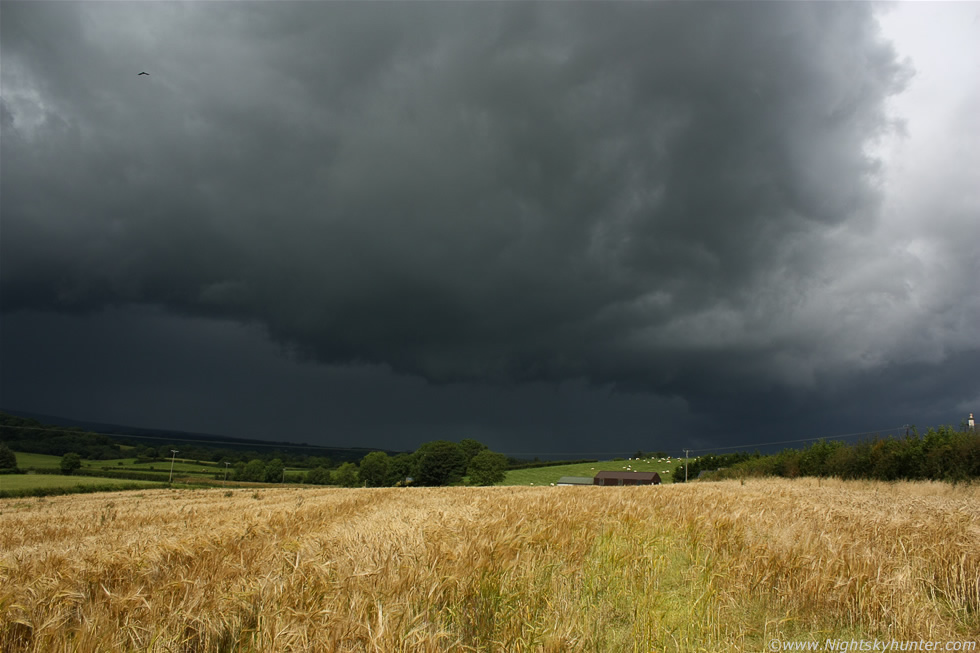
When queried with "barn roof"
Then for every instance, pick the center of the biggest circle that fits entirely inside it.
(638, 476)
(575, 480)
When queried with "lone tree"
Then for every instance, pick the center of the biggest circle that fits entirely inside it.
(70, 463)
(7, 458)
(487, 468)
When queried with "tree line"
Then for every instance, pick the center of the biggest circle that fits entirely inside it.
(436, 463)
(941, 454)
(31, 436)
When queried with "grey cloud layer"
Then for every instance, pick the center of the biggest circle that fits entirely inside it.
(660, 195)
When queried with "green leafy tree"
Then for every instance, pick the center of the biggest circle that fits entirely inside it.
(70, 463)
(440, 463)
(7, 458)
(274, 471)
(319, 461)
(318, 476)
(487, 468)
(346, 475)
(471, 447)
(375, 469)
(253, 471)
(403, 467)
(813, 461)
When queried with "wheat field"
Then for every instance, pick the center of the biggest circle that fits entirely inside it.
(698, 567)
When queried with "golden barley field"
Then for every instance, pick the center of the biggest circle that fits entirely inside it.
(698, 567)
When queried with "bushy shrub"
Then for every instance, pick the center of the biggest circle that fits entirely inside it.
(70, 463)
(7, 458)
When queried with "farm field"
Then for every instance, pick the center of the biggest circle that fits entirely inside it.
(32, 481)
(163, 466)
(36, 460)
(687, 567)
(549, 475)
(42, 461)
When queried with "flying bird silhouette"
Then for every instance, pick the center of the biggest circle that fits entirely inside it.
(143, 74)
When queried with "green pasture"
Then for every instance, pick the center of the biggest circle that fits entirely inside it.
(549, 475)
(9, 482)
(36, 461)
(43, 461)
(182, 466)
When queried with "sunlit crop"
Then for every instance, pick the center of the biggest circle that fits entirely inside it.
(707, 566)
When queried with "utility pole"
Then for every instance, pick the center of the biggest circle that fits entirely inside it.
(687, 454)
(174, 452)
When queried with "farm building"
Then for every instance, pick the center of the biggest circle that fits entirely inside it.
(575, 480)
(627, 478)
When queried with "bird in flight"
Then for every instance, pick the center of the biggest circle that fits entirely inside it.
(143, 74)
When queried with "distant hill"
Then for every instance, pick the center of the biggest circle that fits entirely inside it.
(134, 435)
(113, 429)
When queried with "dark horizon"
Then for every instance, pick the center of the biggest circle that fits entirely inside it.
(173, 435)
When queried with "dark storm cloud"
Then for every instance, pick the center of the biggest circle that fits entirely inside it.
(144, 367)
(662, 196)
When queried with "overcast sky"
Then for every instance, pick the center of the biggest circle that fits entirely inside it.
(559, 228)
